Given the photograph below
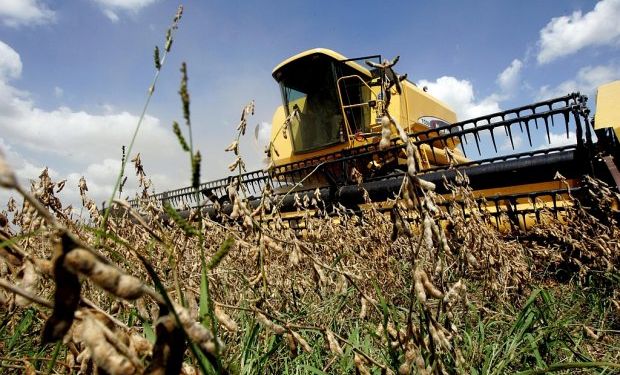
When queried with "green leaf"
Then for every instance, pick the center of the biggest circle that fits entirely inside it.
(149, 334)
(534, 350)
(182, 223)
(203, 305)
(313, 370)
(196, 160)
(221, 253)
(177, 131)
(23, 326)
(52, 363)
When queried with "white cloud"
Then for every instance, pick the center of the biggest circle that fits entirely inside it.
(111, 15)
(16, 13)
(506, 145)
(112, 7)
(58, 92)
(459, 95)
(10, 62)
(587, 80)
(566, 35)
(561, 139)
(75, 143)
(25, 169)
(508, 80)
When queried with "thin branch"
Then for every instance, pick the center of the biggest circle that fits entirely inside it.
(29, 296)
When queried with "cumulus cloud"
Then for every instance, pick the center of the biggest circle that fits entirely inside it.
(587, 80)
(506, 145)
(25, 169)
(566, 35)
(459, 95)
(111, 8)
(75, 143)
(16, 13)
(560, 139)
(508, 80)
(10, 62)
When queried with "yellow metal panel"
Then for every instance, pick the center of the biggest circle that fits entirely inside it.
(406, 108)
(608, 107)
(324, 51)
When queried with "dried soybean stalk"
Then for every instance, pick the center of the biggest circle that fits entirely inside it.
(66, 293)
(169, 346)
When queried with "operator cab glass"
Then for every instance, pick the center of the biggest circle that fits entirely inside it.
(309, 91)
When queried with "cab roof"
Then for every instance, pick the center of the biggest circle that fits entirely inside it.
(320, 51)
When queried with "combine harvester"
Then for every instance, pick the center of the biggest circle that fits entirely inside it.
(327, 133)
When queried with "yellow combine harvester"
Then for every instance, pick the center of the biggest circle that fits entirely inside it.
(328, 133)
(335, 104)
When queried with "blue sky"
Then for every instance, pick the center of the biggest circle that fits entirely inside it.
(74, 74)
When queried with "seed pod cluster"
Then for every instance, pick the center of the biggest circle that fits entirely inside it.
(441, 236)
(439, 335)
(234, 147)
(237, 163)
(423, 184)
(28, 282)
(295, 255)
(302, 342)
(334, 346)
(271, 245)
(198, 333)
(408, 194)
(410, 356)
(360, 364)
(103, 274)
(419, 286)
(104, 354)
(472, 261)
(386, 133)
(225, 320)
(274, 327)
(427, 232)
(291, 343)
(456, 292)
(423, 286)
(412, 168)
(140, 346)
(364, 308)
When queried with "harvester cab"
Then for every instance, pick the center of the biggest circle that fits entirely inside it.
(332, 108)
